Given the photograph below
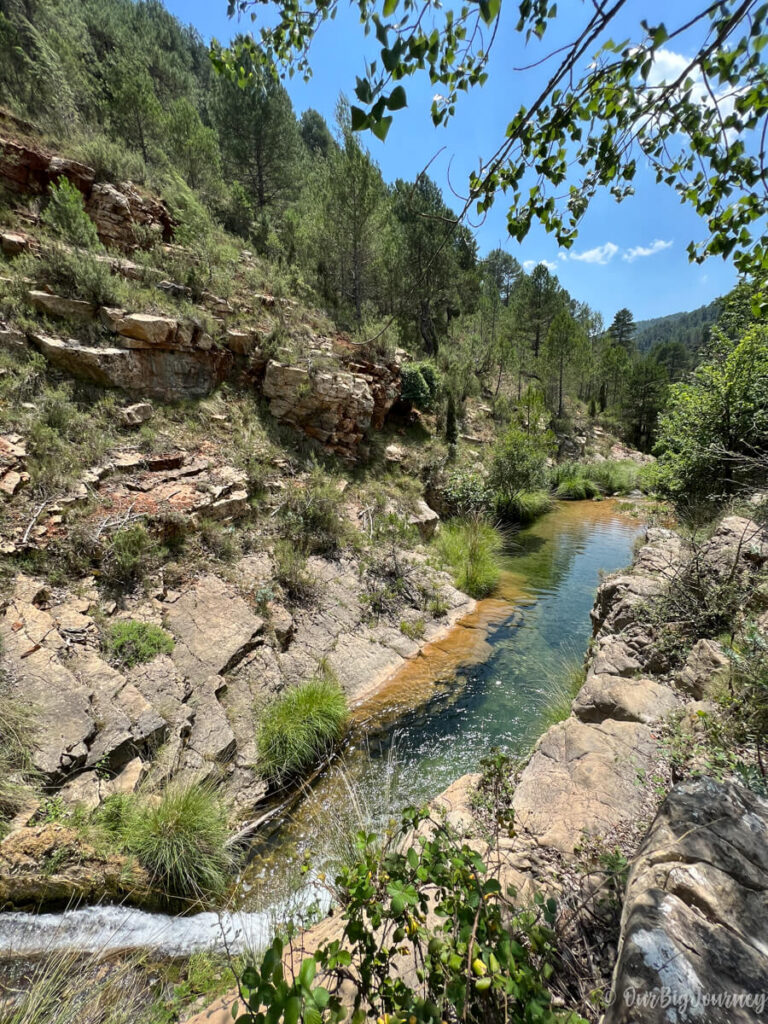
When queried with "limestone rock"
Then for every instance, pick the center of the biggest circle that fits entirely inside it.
(626, 700)
(706, 669)
(425, 520)
(58, 306)
(695, 918)
(154, 331)
(135, 415)
(118, 212)
(737, 544)
(13, 242)
(52, 865)
(214, 629)
(583, 777)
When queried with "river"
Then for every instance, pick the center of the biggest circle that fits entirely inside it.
(489, 682)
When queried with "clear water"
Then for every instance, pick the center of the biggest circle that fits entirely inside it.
(487, 683)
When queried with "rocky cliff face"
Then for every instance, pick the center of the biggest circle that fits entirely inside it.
(125, 218)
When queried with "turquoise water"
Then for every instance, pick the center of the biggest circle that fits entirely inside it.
(420, 738)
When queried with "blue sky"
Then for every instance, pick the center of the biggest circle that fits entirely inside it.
(631, 254)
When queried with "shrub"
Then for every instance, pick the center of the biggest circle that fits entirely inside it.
(112, 161)
(301, 726)
(65, 215)
(180, 840)
(471, 548)
(126, 555)
(131, 642)
(291, 571)
(419, 385)
(311, 514)
(76, 275)
(413, 630)
(518, 464)
(451, 424)
(466, 492)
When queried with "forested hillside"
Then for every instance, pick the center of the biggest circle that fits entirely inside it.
(691, 330)
(127, 89)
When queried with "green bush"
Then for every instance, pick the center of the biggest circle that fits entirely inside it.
(127, 554)
(180, 840)
(112, 161)
(65, 215)
(466, 492)
(420, 385)
(130, 642)
(471, 548)
(75, 275)
(301, 726)
(518, 464)
(579, 480)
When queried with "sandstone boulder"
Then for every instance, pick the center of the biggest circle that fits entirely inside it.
(626, 700)
(695, 918)
(583, 778)
(135, 415)
(425, 519)
(58, 306)
(49, 865)
(706, 670)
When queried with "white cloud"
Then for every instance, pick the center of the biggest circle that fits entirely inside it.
(668, 66)
(529, 265)
(657, 245)
(601, 254)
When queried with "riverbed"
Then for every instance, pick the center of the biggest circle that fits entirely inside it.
(489, 682)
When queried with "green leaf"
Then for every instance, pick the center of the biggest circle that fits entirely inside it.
(390, 6)
(359, 119)
(381, 128)
(397, 99)
(307, 971)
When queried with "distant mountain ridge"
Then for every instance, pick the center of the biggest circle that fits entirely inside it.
(690, 329)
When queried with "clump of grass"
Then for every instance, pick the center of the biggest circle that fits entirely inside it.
(560, 697)
(130, 642)
(576, 481)
(17, 773)
(576, 488)
(527, 506)
(180, 839)
(301, 726)
(413, 630)
(291, 571)
(311, 516)
(471, 547)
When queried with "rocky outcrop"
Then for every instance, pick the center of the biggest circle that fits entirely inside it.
(49, 865)
(13, 455)
(125, 218)
(695, 919)
(171, 373)
(334, 406)
(706, 670)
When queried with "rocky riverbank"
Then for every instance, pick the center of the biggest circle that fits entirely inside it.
(698, 873)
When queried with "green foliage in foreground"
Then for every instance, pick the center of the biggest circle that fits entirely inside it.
(180, 839)
(518, 465)
(470, 548)
(131, 642)
(480, 958)
(301, 726)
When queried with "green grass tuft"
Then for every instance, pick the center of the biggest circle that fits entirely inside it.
(576, 481)
(470, 548)
(560, 697)
(527, 506)
(130, 642)
(180, 840)
(301, 726)
(576, 489)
